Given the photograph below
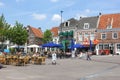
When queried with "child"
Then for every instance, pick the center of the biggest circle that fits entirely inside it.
(54, 57)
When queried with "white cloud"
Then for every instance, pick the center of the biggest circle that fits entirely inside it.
(39, 16)
(54, 0)
(69, 3)
(87, 11)
(56, 17)
(1, 4)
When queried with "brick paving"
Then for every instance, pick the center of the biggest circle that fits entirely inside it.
(100, 68)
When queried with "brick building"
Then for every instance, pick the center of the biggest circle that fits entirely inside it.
(108, 33)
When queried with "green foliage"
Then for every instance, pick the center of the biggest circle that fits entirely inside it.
(4, 27)
(18, 34)
(47, 36)
(12, 50)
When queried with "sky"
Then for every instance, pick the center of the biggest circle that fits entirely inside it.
(47, 13)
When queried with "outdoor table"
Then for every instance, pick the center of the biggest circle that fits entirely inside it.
(38, 60)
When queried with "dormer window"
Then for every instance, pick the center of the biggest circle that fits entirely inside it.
(86, 25)
(109, 23)
(109, 27)
(66, 24)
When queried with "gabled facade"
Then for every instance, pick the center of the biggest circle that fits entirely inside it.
(55, 36)
(34, 35)
(108, 33)
(66, 31)
(86, 30)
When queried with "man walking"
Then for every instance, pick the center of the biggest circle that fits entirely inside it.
(89, 53)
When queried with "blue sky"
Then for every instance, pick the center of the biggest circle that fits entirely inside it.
(46, 13)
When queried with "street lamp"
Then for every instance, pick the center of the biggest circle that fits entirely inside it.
(112, 45)
(61, 20)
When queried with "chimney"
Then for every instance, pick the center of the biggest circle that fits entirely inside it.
(100, 13)
(39, 28)
(80, 17)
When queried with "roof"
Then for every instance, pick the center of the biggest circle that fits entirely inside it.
(109, 19)
(54, 30)
(72, 21)
(93, 21)
(37, 32)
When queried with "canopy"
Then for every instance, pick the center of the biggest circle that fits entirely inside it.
(33, 46)
(78, 46)
(51, 44)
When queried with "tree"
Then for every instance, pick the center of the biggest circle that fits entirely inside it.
(18, 34)
(4, 27)
(47, 36)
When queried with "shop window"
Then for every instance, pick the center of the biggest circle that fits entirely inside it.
(118, 47)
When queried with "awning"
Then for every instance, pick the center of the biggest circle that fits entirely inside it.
(33, 46)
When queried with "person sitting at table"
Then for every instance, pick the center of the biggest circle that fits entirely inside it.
(34, 55)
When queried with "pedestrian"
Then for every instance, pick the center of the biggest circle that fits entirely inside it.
(80, 55)
(73, 53)
(54, 58)
(88, 54)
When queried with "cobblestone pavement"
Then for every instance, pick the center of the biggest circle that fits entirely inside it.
(99, 68)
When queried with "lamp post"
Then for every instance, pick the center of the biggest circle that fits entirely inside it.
(112, 45)
(61, 20)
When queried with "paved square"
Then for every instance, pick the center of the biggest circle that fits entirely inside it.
(100, 68)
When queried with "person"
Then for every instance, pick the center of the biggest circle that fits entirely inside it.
(34, 55)
(73, 53)
(80, 55)
(88, 55)
(54, 57)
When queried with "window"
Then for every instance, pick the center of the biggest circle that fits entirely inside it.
(106, 46)
(86, 35)
(66, 24)
(103, 36)
(80, 37)
(86, 25)
(103, 46)
(114, 35)
(118, 47)
(100, 46)
(92, 36)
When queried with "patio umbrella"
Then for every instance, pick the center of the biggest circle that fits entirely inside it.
(78, 46)
(51, 44)
(33, 46)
